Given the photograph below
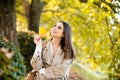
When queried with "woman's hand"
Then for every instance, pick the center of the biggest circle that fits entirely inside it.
(37, 39)
(31, 74)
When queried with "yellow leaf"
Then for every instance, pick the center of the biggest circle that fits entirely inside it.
(42, 32)
(96, 44)
(109, 1)
(94, 65)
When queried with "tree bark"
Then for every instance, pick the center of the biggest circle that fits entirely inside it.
(35, 11)
(8, 20)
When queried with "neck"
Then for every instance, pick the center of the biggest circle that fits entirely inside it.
(56, 41)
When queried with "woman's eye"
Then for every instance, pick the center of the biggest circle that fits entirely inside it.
(59, 27)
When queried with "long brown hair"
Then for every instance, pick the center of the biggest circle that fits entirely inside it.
(66, 42)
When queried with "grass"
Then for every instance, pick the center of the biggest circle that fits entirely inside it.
(86, 73)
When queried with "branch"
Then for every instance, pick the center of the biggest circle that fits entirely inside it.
(109, 4)
(53, 11)
(85, 1)
(109, 34)
(21, 13)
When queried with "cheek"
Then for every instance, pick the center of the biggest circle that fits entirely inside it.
(61, 33)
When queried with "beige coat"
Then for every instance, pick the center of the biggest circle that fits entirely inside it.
(56, 68)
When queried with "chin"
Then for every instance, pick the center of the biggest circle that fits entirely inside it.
(52, 35)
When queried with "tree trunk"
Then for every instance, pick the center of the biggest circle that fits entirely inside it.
(8, 20)
(35, 11)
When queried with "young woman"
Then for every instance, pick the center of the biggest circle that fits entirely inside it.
(53, 61)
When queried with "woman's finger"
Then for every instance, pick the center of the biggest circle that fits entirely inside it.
(37, 39)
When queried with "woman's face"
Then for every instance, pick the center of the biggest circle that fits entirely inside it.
(57, 30)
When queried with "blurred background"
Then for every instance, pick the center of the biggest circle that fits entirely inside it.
(95, 33)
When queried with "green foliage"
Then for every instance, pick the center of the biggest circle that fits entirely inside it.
(16, 69)
(13, 68)
(27, 46)
(3, 60)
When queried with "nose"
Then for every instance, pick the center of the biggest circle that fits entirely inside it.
(55, 28)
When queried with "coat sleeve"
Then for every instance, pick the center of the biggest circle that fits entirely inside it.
(58, 71)
(36, 61)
